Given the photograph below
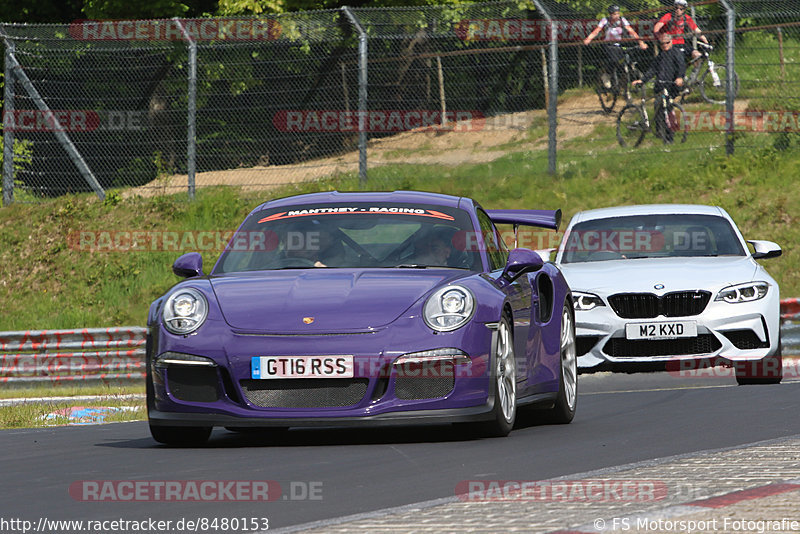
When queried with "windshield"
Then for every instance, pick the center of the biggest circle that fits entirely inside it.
(651, 236)
(352, 235)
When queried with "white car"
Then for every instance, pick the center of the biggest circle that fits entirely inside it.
(675, 284)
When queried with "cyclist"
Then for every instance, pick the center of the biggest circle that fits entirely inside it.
(669, 68)
(675, 24)
(614, 26)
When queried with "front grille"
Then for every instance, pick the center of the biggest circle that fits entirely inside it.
(412, 388)
(305, 392)
(584, 344)
(745, 339)
(620, 347)
(193, 383)
(648, 305)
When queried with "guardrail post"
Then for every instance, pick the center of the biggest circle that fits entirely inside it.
(362, 97)
(8, 133)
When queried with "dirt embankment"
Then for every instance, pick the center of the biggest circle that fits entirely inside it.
(473, 142)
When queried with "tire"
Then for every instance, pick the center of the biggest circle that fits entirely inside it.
(180, 436)
(563, 411)
(631, 127)
(504, 376)
(766, 371)
(607, 97)
(718, 94)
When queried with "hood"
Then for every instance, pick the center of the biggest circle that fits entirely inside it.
(339, 300)
(676, 274)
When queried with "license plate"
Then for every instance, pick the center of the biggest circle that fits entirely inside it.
(661, 330)
(271, 367)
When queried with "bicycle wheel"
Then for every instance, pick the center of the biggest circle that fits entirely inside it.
(607, 95)
(675, 128)
(631, 126)
(715, 92)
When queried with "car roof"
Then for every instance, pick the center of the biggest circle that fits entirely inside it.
(648, 209)
(405, 197)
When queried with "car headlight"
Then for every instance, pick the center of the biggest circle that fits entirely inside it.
(184, 311)
(744, 292)
(586, 301)
(449, 308)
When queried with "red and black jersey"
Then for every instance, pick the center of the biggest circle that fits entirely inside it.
(677, 26)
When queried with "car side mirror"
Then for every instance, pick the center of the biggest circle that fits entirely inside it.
(188, 265)
(521, 261)
(765, 249)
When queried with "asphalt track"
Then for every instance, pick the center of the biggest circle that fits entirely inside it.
(329, 473)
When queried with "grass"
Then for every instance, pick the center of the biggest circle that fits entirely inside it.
(104, 390)
(50, 279)
(48, 282)
(53, 413)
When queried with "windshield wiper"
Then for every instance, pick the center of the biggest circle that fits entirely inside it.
(411, 266)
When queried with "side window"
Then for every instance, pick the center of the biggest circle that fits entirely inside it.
(495, 246)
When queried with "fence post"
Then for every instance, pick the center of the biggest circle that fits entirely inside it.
(730, 81)
(191, 112)
(8, 133)
(362, 97)
(58, 130)
(552, 103)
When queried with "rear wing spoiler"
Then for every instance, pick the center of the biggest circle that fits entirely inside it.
(540, 218)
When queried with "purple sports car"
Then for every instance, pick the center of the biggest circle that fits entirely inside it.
(336, 309)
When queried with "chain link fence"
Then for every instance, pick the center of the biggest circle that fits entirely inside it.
(168, 106)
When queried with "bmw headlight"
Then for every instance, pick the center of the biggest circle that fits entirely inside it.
(184, 311)
(744, 292)
(449, 308)
(586, 301)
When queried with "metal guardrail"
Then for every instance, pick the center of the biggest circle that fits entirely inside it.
(111, 354)
(60, 356)
(790, 327)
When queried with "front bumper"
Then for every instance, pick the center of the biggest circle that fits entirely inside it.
(734, 332)
(225, 394)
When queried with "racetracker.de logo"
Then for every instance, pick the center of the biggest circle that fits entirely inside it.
(768, 368)
(622, 241)
(175, 490)
(73, 120)
(775, 121)
(377, 121)
(562, 490)
(534, 30)
(176, 30)
(183, 241)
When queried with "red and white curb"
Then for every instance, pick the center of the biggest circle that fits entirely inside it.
(671, 513)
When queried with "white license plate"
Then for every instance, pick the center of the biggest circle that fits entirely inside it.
(271, 367)
(661, 330)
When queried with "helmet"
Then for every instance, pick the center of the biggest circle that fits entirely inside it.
(613, 8)
(682, 3)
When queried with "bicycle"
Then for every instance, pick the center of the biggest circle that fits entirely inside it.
(633, 121)
(712, 81)
(630, 71)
